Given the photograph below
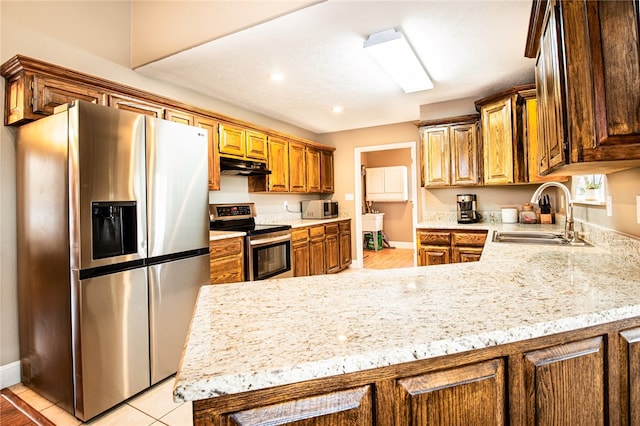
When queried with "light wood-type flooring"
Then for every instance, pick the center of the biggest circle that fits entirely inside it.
(387, 258)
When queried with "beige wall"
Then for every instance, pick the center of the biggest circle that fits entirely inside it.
(623, 187)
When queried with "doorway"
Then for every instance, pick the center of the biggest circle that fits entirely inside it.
(360, 156)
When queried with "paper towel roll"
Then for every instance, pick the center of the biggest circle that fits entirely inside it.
(509, 215)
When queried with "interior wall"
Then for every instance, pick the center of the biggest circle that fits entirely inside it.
(623, 187)
(397, 220)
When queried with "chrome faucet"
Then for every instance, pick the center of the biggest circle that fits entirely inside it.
(569, 232)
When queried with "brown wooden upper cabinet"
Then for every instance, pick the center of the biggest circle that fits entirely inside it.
(588, 84)
(326, 171)
(278, 156)
(450, 152)
(297, 167)
(238, 142)
(34, 88)
(503, 137)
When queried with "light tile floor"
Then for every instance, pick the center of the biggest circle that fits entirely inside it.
(154, 406)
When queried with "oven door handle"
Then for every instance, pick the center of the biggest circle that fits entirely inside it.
(263, 241)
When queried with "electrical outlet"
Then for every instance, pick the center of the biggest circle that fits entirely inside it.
(609, 205)
(286, 205)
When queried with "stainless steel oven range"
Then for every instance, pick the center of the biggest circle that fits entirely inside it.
(267, 248)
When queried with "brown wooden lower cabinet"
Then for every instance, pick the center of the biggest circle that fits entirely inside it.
(442, 246)
(321, 249)
(347, 407)
(469, 395)
(226, 260)
(630, 377)
(565, 384)
(300, 252)
(583, 377)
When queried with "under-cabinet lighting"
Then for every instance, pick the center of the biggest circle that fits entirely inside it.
(394, 54)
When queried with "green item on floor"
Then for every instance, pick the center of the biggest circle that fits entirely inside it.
(368, 241)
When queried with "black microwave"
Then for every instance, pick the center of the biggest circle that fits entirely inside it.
(319, 209)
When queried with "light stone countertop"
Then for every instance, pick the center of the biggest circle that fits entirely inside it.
(221, 235)
(255, 335)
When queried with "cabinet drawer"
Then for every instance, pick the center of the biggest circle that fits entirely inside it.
(223, 248)
(316, 231)
(331, 229)
(469, 239)
(301, 234)
(345, 226)
(435, 238)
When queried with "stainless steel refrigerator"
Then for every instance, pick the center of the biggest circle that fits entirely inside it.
(113, 246)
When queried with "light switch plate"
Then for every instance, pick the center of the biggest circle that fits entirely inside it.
(609, 206)
(348, 196)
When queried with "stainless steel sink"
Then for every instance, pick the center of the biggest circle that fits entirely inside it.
(536, 237)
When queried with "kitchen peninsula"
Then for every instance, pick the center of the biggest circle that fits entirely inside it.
(528, 332)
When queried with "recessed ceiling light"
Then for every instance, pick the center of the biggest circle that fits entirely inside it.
(337, 109)
(276, 76)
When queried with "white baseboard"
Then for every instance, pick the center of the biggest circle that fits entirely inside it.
(401, 244)
(9, 374)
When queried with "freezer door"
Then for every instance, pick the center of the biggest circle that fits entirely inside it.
(111, 357)
(173, 291)
(106, 164)
(177, 187)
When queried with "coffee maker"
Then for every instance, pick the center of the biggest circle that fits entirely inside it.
(467, 208)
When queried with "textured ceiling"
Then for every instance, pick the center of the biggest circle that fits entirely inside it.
(469, 48)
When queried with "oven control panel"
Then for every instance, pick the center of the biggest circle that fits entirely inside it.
(231, 211)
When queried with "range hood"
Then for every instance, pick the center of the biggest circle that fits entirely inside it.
(233, 166)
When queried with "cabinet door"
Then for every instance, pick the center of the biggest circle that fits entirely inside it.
(179, 117)
(297, 168)
(231, 140)
(136, 105)
(211, 126)
(434, 255)
(465, 254)
(551, 130)
(317, 265)
(435, 148)
(464, 154)
(300, 259)
(49, 93)
(615, 52)
(316, 257)
(345, 244)
(326, 171)
(630, 391)
(332, 247)
(226, 260)
(565, 384)
(256, 145)
(341, 408)
(468, 395)
(312, 156)
(497, 138)
(278, 164)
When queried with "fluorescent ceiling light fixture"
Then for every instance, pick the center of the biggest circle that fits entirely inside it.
(394, 54)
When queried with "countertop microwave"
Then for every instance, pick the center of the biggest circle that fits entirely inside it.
(319, 209)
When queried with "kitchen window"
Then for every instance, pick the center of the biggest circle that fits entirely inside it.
(589, 189)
